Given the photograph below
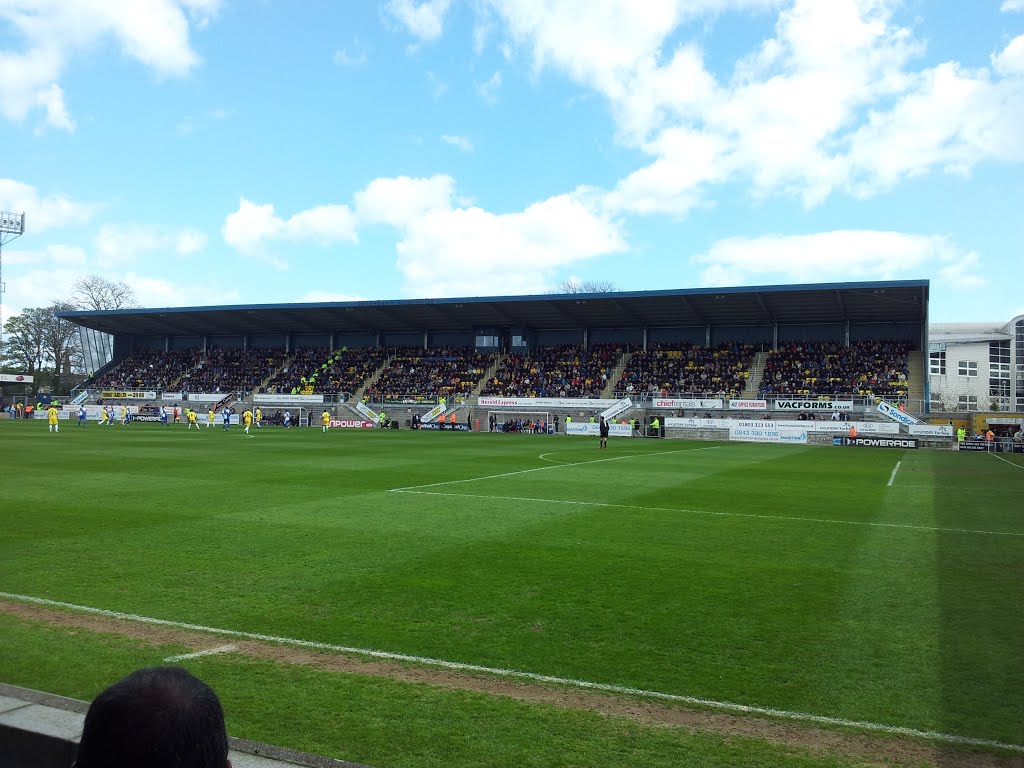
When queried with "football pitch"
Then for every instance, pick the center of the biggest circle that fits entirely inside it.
(825, 586)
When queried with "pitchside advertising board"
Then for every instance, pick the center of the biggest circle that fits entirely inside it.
(688, 405)
(614, 430)
(748, 405)
(813, 405)
(351, 424)
(447, 427)
(15, 378)
(876, 442)
(931, 430)
(120, 394)
(287, 399)
(767, 432)
(821, 427)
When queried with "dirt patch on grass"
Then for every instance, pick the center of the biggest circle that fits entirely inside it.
(873, 749)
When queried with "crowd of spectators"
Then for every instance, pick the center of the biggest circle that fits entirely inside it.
(830, 368)
(226, 369)
(414, 374)
(687, 369)
(149, 370)
(568, 370)
(318, 370)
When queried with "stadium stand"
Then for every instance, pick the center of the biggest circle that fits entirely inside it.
(149, 370)
(318, 370)
(830, 368)
(567, 370)
(415, 374)
(230, 370)
(687, 369)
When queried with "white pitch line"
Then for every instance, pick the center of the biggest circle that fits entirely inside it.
(893, 475)
(459, 666)
(554, 466)
(1011, 463)
(207, 652)
(717, 514)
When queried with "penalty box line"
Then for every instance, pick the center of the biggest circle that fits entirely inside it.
(713, 513)
(728, 706)
(553, 466)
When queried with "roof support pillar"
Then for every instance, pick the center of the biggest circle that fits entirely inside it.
(645, 338)
(847, 333)
(426, 336)
(167, 343)
(707, 336)
(586, 338)
(332, 341)
(775, 336)
(206, 342)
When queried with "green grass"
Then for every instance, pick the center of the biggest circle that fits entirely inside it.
(779, 604)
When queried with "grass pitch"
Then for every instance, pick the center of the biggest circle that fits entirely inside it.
(791, 578)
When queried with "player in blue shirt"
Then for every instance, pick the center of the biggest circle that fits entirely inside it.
(227, 417)
(81, 415)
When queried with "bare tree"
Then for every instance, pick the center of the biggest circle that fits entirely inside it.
(572, 285)
(62, 345)
(93, 292)
(24, 347)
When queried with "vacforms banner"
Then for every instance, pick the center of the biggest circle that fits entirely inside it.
(813, 405)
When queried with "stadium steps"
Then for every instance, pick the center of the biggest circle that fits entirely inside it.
(915, 380)
(756, 374)
(358, 394)
(488, 375)
(613, 379)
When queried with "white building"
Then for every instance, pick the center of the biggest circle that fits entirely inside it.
(976, 366)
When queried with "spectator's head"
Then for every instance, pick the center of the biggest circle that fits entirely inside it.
(161, 717)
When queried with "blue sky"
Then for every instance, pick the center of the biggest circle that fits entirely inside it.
(221, 151)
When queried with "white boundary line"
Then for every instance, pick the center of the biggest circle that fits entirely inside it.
(1011, 463)
(728, 706)
(717, 514)
(893, 475)
(207, 652)
(553, 466)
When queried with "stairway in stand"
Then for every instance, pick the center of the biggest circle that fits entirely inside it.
(915, 382)
(358, 394)
(756, 374)
(488, 375)
(609, 389)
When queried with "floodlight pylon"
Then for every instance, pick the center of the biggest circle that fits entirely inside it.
(12, 226)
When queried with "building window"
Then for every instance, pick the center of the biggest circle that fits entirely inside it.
(967, 368)
(967, 403)
(937, 363)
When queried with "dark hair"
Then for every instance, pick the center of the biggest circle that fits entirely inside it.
(160, 717)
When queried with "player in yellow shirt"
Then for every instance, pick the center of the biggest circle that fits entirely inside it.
(124, 415)
(247, 419)
(191, 415)
(209, 418)
(51, 418)
(259, 418)
(325, 420)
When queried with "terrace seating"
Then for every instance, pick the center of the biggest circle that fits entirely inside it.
(149, 370)
(418, 375)
(558, 371)
(318, 370)
(866, 368)
(687, 368)
(233, 370)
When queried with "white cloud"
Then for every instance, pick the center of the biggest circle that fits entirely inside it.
(42, 213)
(252, 228)
(488, 89)
(460, 142)
(55, 254)
(424, 20)
(399, 200)
(161, 292)
(153, 32)
(1012, 5)
(837, 256)
(120, 245)
(449, 247)
(829, 102)
(354, 57)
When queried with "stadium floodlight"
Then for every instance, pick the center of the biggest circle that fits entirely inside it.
(12, 226)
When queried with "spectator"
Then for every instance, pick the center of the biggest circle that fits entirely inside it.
(160, 717)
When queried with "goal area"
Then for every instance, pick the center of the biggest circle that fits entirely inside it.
(515, 416)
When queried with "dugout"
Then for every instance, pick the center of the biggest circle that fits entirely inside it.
(764, 316)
